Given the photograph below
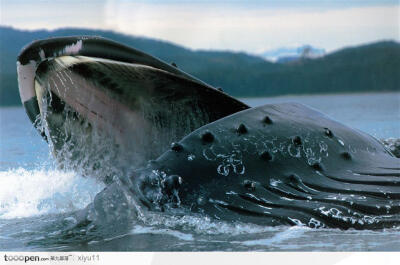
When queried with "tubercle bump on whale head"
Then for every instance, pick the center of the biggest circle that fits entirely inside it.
(156, 189)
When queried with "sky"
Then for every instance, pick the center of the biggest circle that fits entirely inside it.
(252, 26)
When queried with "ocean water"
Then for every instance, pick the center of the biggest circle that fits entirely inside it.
(36, 198)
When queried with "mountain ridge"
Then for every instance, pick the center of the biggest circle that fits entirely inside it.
(372, 67)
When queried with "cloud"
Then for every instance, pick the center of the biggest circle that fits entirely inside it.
(230, 27)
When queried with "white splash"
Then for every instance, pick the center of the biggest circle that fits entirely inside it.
(292, 232)
(203, 225)
(152, 230)
(25, 193)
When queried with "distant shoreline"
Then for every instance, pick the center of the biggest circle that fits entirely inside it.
(325, 94)
(281, 96)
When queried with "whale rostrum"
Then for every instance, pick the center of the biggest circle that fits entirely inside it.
(300, 169)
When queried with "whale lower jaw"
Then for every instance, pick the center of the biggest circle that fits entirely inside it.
(121, 107)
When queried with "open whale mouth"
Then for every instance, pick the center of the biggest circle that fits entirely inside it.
(129, 98)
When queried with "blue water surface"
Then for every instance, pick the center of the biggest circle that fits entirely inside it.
(35, 194)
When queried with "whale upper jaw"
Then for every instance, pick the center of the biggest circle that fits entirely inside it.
(278, 164)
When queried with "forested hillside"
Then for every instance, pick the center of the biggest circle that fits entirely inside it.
(372, 67)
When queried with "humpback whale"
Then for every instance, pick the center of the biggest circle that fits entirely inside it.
(188, 148)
